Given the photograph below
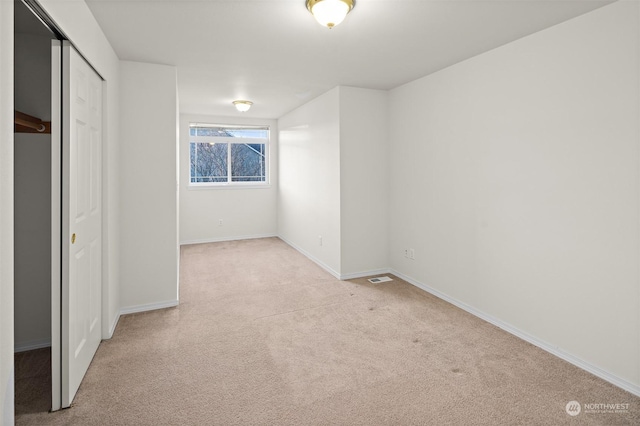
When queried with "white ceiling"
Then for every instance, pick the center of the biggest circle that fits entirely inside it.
(273, 52)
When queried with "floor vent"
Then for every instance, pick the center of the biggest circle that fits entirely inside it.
(377, 280)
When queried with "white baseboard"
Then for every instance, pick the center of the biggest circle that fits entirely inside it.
(114, 323)
(313, 259)
(355, 275)
(148, 307)
(596, 371)
(31, 345)
(222, 239)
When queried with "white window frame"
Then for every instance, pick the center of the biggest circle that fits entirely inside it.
(229, 141)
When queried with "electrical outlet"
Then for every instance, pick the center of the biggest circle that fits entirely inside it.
(219, 222)
(319, 239)
(412, 254)
(406, 253)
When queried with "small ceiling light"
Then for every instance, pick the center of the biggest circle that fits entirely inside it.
(243, 106)
(330, 13)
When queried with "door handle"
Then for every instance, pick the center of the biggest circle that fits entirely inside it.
(73, 238)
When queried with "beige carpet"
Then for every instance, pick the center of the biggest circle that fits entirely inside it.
(263, 336)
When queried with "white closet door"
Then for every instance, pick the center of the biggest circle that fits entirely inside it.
(56, 223)
(81, 219)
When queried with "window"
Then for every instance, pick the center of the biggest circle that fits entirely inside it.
(228, 155)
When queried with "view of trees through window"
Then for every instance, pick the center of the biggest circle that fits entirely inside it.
(223, 154)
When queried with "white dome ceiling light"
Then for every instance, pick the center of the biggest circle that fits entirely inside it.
(243, 106)
(330, 13)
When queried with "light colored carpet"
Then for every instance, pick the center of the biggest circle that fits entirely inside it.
(263, 336)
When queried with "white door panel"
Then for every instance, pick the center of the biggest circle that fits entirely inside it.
(81, 219)
(56, 220)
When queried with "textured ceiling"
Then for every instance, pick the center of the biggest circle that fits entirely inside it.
(273, 52)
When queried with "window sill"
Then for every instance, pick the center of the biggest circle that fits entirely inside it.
(232, 187)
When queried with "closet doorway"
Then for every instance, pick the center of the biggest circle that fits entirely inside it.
(32, 211)
(58, 213)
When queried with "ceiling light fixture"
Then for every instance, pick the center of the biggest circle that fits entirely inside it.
(243, 106)
(330, 13)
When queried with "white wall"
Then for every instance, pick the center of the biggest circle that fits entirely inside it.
(245, 212)
(335, 172)
(148, 180)
(77, 22)
(32, 196)
(33, 75)
(364, 180)
(32, 254)
(309, 189)
(6, 214)
(515, 177)
(334, 181)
